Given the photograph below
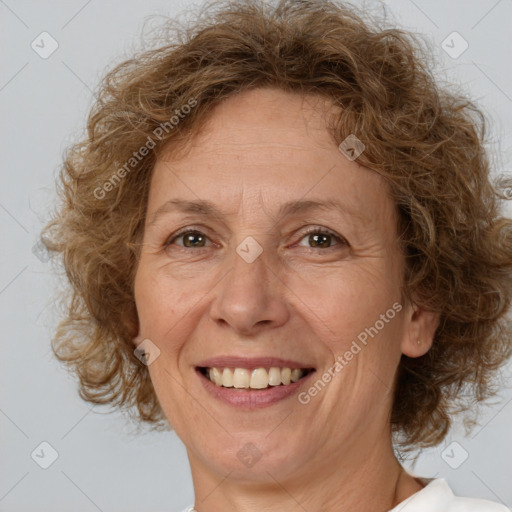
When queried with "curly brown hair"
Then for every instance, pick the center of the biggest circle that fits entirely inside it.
(427, 141)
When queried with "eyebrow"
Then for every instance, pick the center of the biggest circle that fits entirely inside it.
(206, 208)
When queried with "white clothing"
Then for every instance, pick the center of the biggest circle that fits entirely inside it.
(437, 496)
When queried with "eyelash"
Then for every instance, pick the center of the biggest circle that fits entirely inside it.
(317, 230)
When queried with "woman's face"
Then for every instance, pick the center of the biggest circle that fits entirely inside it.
(292, 263)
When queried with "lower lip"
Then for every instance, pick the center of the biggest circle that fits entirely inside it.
(252, 398)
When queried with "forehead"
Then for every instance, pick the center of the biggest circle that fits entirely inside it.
(263, 148)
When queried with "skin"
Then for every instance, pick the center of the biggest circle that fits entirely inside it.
(258, 150)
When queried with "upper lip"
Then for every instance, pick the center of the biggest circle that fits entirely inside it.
(251, 362)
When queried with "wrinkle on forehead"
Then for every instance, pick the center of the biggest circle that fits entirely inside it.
(236, 115)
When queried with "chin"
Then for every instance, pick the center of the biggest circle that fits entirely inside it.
(258, 457)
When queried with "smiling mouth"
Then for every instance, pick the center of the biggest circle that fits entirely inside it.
(254, 379)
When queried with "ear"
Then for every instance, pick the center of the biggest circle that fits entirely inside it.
(421, 326)
(136, 340)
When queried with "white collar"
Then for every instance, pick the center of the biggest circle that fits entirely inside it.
(434, 496)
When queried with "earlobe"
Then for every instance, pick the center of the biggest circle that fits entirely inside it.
(421, 331)
(136, 340)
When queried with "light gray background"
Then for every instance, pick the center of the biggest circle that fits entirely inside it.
(102, 465)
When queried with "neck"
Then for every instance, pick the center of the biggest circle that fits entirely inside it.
(364, 480)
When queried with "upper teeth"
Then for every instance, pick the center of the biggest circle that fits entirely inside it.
(259, 378)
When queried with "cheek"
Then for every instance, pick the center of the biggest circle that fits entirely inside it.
(169, 310)
(342, 303)
(160, 300)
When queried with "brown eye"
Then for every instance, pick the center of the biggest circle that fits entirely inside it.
(190, 239)
(322, 239)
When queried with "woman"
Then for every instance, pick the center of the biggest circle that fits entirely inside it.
(283, 241)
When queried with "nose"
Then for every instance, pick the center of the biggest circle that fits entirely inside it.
(250, 298)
